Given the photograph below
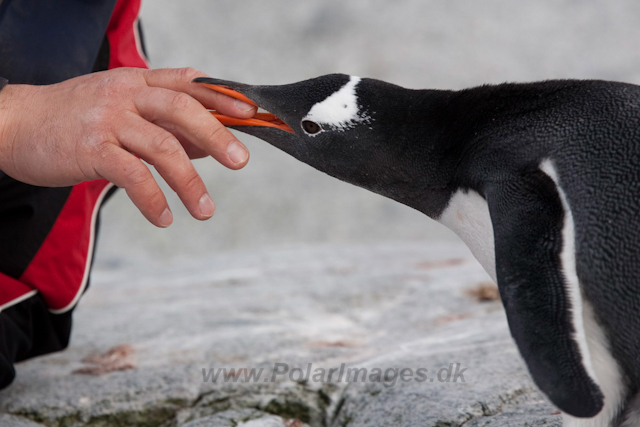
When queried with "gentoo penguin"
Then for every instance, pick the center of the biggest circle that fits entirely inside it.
(542, 182)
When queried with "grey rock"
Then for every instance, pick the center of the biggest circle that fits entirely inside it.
(496, 391)
(324, 310)
(268, 421)
(238, 418)
(13, 421)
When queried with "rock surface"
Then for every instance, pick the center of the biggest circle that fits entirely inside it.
(144, 342)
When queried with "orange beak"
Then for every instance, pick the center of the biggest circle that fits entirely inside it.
(259, 119)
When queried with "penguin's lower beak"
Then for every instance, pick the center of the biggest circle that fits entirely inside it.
(277, 126)
(259, 119)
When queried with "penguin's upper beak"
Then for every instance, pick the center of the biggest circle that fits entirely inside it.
(259, 119)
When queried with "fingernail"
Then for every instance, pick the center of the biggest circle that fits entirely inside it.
(166, 218)
(207, 208)
(236, 153)
(243, 106)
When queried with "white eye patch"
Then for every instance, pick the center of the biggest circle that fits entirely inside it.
(339, 111)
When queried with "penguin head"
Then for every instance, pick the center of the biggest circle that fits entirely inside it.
(363, 131)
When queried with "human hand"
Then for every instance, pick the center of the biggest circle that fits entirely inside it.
(94, 126)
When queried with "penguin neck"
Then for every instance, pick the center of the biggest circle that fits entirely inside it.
(428, 143)
(451, 139)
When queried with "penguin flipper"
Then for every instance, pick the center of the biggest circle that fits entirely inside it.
(528, 217)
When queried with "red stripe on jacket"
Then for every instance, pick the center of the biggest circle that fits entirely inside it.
(124, 39)
(60, 268)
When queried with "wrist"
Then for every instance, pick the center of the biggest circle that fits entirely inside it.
(10, 97)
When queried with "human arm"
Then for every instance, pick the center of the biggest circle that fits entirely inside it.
(101, 125)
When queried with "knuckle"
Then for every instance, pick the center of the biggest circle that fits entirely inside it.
(101, 119)
(98, 131)
(91, 154)
(182, 101)
(103, 88)
(128, 73)
(166, 144)
(138, 176)
(216, 134)
(188, 73)
(135, 71)
(156, 200)
(192, 182)
(113, 85)
(98, 146)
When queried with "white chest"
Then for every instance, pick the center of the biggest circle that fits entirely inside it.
(467, 215)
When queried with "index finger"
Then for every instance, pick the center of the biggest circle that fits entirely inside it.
(179, 111)
(179, 80)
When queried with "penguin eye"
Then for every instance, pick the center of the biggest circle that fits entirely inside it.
(311, 127)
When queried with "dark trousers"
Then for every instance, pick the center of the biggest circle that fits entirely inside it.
(47, 239)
